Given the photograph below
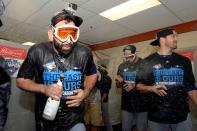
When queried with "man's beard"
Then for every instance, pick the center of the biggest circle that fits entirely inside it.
(59, 48)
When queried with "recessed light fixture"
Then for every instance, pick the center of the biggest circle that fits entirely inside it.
(29, 43)
(128, 8)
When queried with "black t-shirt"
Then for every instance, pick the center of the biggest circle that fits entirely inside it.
(132, 101)
(5, 90)
(45, 66)
(104, 85)
(4, 76)
(175, 72)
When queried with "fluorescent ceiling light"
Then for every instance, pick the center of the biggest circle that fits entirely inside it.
(128, 8)
(29, 43)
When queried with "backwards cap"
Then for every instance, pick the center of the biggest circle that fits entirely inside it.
(162, 33)
(132, 48)
(64, 15)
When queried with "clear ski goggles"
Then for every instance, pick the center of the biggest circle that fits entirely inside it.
(63, 33)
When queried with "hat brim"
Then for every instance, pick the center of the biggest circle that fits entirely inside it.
(77, 20)
(155, 42)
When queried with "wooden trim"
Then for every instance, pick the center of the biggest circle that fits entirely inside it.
(180, 28)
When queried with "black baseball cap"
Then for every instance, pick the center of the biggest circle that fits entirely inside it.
(66, 14)
(132, 48)
(162, 33)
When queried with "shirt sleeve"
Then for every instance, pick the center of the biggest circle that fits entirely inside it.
(27, 68)
(120, 70)
(91, 67)
(189, 76)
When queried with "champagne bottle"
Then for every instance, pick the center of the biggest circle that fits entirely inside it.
(52, 105)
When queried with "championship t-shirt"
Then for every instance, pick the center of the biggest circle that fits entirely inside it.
(45, 66)
(132, 101)
(175, 72)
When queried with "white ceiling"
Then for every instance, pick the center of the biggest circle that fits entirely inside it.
(28, 20)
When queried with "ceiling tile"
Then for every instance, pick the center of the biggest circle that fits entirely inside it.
(184, 9)
(22, 9)
(36, 35)
(102, 29)
(78, 2)
(8, 23)
(188, 14)
(44, 15)
(84, 13)
(151, 19)
(94, 22)
(178, 5)
(99, 6)
(24, 32)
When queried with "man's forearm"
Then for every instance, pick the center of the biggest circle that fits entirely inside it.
(89, 83)
(30, 85)
(142, 88)
(193, 96)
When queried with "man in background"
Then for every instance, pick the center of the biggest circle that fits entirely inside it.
(5, 91)
(96, 111)
(104, 85)
(133, 104)
(168, 78)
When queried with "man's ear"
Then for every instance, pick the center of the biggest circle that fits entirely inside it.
(162, 40)
(50, 35)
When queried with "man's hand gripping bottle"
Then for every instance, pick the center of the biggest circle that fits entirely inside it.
(52, 106)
